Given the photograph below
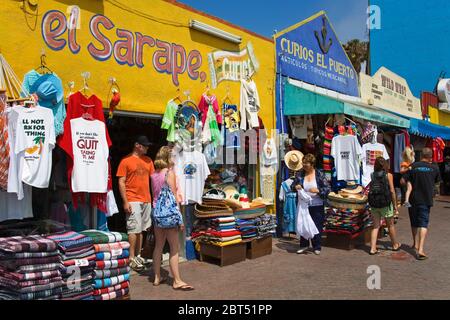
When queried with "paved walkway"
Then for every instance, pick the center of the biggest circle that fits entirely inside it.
(336, 274)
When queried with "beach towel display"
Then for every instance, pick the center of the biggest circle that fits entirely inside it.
(111, 270)
(77, 265)
(29, 269)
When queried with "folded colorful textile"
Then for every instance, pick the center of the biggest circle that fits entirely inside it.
(109, 247)
(27, 255)
(123, 285)
(113, 295)
(27, 244)
(29, 276)
(16, 263)
(100, 237)
(17, 285)
(109, 282)
(101, 274)
(68, 255)
(118, 254)
(70, 240)
(112, 264)
(38, 267)
(83, 262)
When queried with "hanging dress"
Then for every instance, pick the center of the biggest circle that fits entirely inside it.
(289, 208)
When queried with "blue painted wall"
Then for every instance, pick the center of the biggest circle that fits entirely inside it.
(414, 41)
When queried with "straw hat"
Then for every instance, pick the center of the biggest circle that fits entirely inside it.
(352, 188)
(293, 160)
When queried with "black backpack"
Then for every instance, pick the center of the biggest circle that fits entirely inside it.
(379, 194)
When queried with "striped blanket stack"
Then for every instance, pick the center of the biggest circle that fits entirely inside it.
(77, 265)
(29, 269)
(217, 231)
(112, 273)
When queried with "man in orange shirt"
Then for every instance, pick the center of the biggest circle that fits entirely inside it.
(134, 184)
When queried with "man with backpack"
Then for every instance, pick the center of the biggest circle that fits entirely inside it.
(423, 178)
(383, 204)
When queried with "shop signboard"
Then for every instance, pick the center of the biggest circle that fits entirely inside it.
(391, 92)
(150, 51)
(311, 52)
(232, 66)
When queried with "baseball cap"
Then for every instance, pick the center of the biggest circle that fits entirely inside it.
(143, 140)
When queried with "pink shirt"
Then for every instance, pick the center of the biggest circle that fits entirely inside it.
(158, 179)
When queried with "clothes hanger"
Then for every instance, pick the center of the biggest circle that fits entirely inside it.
(86, 75)
(227, 97)
(207, 91)
(43, 66)
(177, 98)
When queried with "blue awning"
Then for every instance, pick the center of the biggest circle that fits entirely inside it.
(428, 129)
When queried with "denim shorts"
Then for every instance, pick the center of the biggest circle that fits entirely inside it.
(419, 216)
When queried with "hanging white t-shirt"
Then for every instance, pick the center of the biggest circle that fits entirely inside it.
(192, 170)
(370, 152)
(90, 156)
(346, 152)
(35, 140)
(14, 171)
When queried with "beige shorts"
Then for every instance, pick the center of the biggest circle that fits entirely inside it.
(140, 218)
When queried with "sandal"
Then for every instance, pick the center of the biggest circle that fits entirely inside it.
(421, 257)
(399, 245)
(163, 280)
(185, 287)
(374, 253)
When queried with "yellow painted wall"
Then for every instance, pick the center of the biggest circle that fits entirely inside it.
(142, 89)
(439, 117)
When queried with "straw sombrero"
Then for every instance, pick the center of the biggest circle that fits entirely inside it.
(293, 160)
(232, 197)
(250, 213)
(208, 211)
(352, 188)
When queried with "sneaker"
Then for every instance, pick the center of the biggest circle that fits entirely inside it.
(407, 205)
(301, 250)
(143, 261)
(136, 265)
(317, 252)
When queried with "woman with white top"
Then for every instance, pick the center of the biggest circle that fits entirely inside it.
(315, 184)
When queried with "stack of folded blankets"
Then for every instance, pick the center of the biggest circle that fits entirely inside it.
(265, 225)
(347, 221)
(29, 269)
(248, 228)
(217, 231)
(77, 265)
(112, 274)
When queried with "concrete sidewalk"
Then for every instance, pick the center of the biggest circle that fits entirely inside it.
(335, 274)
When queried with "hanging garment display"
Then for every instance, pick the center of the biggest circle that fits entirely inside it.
(370, 152)
(207, 102)
(49, 89)
(306, 228)
(188, 134)
(299, 126)
(250, 105)
(327, 159)
(438, 147)
(268, 169)
(192, 170)
(90, 156)
(231, 129)
(35, 140)
(399, 147)
(15, 184)
(4, 143)
(78, 106)
(346, 151)
(211, 132)
(168, 121)
(289, 199)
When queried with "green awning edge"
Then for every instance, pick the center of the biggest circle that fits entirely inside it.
(298, 101)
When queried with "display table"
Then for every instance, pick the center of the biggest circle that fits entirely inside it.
(257, 248)
(225, 256)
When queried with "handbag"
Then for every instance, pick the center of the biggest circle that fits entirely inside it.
(149, 244)
(166, 213)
